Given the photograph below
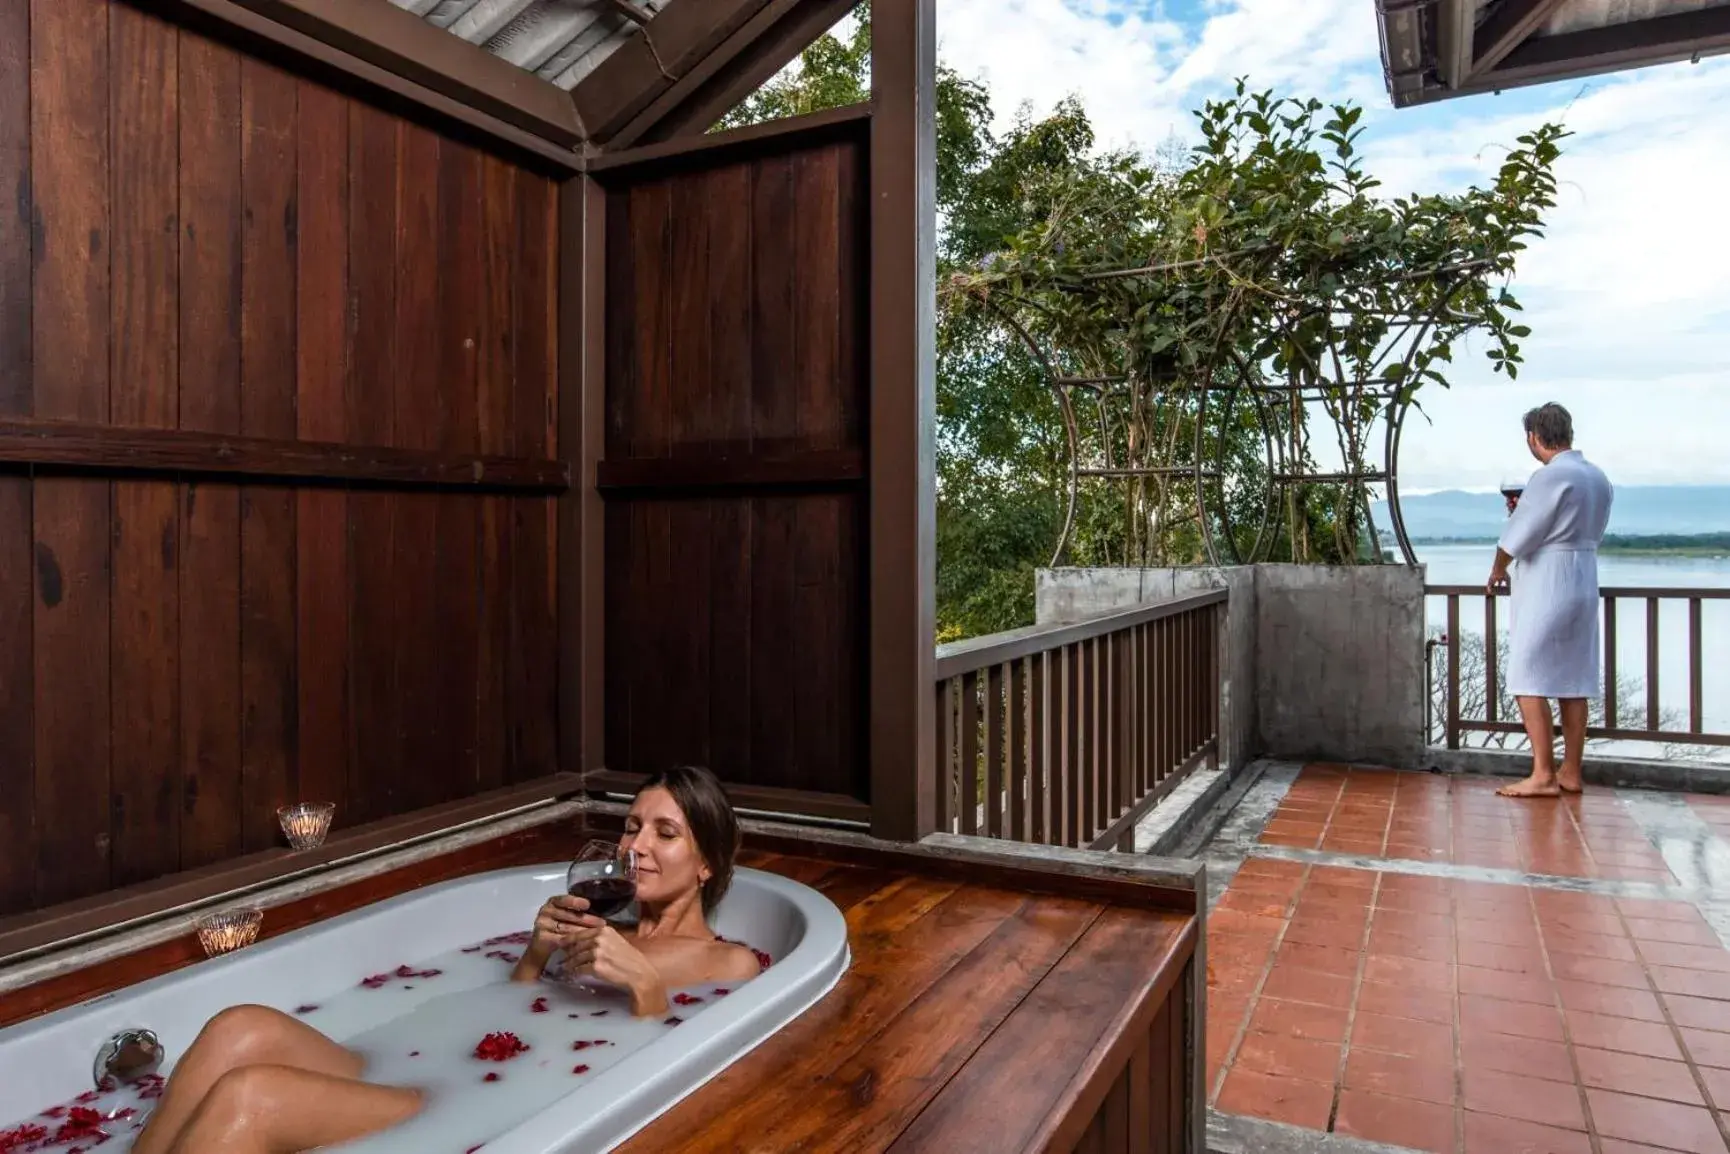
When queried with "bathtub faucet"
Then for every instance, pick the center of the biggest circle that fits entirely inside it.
(127, 1057)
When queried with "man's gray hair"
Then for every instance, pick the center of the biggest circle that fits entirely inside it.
(1552, 425)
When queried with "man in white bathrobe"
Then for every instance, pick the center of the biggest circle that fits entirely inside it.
(1554, 531)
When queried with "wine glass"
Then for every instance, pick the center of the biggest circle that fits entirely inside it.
(1513, 485)
(603, 876)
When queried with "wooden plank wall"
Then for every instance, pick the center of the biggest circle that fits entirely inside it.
(1147, 1109)
(734, 474)
(195, 239)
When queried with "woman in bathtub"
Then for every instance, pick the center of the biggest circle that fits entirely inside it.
(257, 1081)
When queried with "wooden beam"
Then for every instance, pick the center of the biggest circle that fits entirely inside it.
(582, 440)
(839, 467)
(707, 149)
(1592, 52)
(405, 44)
(103, 913)
(652, 58)
(754, 54)
(1660, 40)
(384, 47)
(1508, 26)
(903, 498)
(764, 798)
(76, 448)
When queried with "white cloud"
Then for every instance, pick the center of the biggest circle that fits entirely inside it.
(1629, 295)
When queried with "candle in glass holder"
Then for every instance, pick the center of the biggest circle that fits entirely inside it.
(306, 824)
(228, 930)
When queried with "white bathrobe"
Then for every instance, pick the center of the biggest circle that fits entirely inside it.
(1554, 534)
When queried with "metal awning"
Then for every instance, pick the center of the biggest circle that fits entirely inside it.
(1438, 49)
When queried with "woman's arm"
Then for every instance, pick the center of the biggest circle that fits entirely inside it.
(555, 924)
(604, 952)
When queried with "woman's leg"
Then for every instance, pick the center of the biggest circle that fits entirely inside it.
(265, 1109)
(1540, 730)
(238, 1037)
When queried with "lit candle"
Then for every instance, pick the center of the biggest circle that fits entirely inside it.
(306, 824)
(229, 930)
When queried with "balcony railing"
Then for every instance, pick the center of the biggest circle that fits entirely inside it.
(1619, 717)
(1069, 734)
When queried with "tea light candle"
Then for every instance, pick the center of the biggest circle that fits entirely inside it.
(229, 930)
(306, 824)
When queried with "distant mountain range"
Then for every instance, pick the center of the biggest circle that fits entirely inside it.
(1639, 510)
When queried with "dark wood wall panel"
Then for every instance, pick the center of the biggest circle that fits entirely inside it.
(736, 603)
(197, 241)
(1146, 1110)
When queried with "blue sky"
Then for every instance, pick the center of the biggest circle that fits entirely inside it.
(1628, 298)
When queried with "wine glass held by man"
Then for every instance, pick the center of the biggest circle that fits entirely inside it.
(259, 1081)
(684, 837)
(1554, 529)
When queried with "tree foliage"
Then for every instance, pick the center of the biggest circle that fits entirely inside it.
(1277, 249)
(1267, 264)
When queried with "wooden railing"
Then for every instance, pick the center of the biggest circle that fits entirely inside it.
(1609, 723)
(1069, 734)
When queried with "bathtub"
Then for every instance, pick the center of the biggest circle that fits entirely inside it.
(49, 1060)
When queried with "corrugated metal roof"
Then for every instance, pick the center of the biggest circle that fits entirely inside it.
(561, 41)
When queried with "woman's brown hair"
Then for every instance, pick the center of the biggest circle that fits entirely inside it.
(710, 818)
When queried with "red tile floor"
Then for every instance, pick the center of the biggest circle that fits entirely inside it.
(1454, 1015)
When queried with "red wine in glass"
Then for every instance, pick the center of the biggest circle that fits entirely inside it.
(604, 877)
(1512, 486)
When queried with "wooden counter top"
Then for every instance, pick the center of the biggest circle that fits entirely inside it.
(973, 1018)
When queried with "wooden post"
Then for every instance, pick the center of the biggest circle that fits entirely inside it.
(582, 393)
(903, 490)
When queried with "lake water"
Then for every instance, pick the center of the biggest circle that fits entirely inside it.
(1470, 565)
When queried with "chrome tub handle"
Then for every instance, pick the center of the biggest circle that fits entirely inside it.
(127, 1057)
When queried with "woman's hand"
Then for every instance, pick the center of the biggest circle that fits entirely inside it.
(603, 951)
(557, 923)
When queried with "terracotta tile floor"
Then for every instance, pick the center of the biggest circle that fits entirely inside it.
(1454, 1015)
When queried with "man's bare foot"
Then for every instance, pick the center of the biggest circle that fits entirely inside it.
(1570, 781)
(1533, 786)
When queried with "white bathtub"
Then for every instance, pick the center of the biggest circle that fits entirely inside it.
(49, 1059)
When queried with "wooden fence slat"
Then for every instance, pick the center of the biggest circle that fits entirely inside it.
(1696, 712)
(968, 802)
(994, 741)
(1610, 663)
(1039, 747)
(1652, 704)
(1017, 828)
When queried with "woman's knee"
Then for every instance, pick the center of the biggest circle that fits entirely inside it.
(243, 1096)
(242, 1030)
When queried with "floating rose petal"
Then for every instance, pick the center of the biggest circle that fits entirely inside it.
(20, 1137)
(500, 1047)
(539, 1006)
(306, 1009)
(579, 1069)
(581, 1045)
(492, 1077)
(674, 1021)
(598, 1014)
(685, 999)
(721, 993)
